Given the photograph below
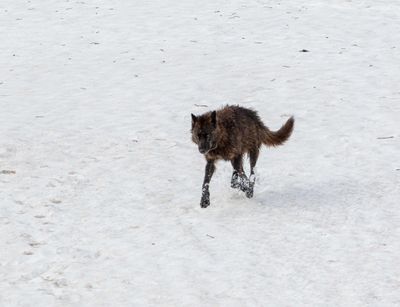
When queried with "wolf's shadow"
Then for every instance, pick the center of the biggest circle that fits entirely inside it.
(311, 196)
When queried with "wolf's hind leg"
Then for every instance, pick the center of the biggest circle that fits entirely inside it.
(237, 164)
(253, 161)
(239, 178)
(235, 180)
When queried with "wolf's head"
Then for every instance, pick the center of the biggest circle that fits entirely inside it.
(204, 131)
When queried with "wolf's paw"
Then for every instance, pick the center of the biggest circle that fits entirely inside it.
(240, 182)
(205, 200)
(249, 192)
(250, 189)
(244, 186)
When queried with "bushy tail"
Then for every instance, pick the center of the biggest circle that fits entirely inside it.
(275, 138)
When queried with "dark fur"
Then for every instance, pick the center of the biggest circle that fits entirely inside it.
(230, 133)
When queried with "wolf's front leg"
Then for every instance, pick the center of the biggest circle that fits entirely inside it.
(205, 197)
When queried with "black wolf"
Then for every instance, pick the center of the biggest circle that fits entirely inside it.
(228, 134)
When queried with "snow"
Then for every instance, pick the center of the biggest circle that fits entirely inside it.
(103, 207)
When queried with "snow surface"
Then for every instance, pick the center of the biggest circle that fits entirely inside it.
(103, 207)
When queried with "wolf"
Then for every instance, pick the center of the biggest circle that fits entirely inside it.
(228, 134)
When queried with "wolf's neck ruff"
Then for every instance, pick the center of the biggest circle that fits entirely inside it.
(216, 146)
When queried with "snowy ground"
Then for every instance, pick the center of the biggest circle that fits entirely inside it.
(103, 207)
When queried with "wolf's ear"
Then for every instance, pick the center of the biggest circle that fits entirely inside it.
(194, 118)
(214, 118)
